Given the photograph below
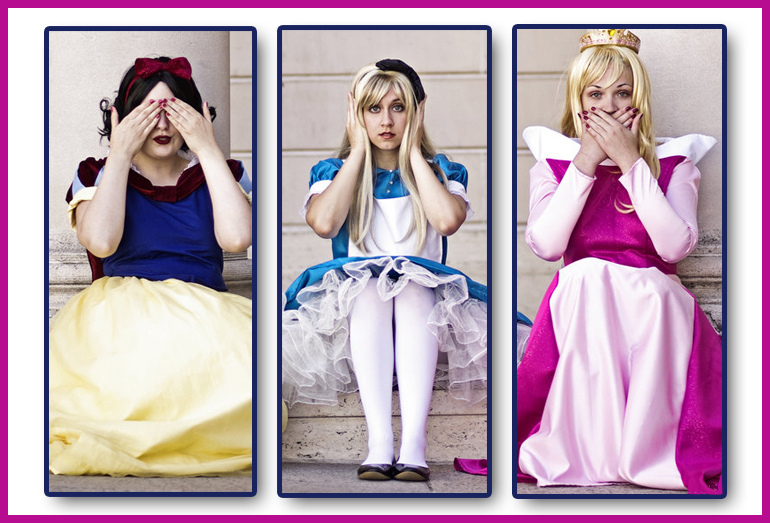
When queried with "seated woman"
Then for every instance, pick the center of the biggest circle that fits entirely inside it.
(150, 366)
(622, 377)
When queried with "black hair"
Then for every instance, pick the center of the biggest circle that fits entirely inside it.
(127, 100)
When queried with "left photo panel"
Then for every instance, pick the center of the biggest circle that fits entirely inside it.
(149, 174)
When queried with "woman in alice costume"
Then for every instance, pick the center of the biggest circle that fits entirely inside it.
(150, 366)
(622, 377)
(387, 201)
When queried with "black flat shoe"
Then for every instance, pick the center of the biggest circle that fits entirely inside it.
(376, 471)
(403, 472)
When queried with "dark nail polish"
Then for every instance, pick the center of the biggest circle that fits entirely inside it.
(585, 112)
(628, 108)
(173, 99)
(588, 126)
(635, 110)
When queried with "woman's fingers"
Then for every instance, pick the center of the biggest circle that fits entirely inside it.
(625, 116)
(206, 111)
(356, 132)
(114, 120)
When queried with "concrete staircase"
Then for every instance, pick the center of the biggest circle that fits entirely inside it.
(337, 434)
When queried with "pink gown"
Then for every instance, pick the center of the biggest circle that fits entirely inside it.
(622, 377)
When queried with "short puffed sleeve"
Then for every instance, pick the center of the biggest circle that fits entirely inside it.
(241, 176)
(83, 187)
(457, 179)
(321, 176)
(455, 172)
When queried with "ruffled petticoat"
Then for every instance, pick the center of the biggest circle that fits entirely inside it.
(150, 378)
(629, 370)
(317, 363)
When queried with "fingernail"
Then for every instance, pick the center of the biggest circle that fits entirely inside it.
(173, 99)
(168, 114)
(628, 108)
(636, 110)
(152, 101)
(157, 115)
(585, 112)
(593, 108)
(641, 114)
(588, 126)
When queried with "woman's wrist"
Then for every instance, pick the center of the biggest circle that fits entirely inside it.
(211, 154)
(585, 164)
(626, 163)
(415, 154)
(119, 158)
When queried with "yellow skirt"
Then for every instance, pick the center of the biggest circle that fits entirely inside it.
(150, 378)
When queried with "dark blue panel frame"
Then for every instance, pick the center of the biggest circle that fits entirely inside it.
(489, 253)
(723, 28)
(46, 250)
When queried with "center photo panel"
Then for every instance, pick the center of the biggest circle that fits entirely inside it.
(384, 137)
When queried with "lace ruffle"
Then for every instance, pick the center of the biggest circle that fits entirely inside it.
(316, 361)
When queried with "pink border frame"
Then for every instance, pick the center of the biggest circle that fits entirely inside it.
(340, 4)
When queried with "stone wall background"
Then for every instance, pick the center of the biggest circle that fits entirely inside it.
(685, 68)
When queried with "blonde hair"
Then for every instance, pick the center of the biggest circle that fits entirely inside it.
(589, 67)
(369, 87)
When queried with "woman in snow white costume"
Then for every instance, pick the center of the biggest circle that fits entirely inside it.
(387, 202)
(150, 366)
(622, 377)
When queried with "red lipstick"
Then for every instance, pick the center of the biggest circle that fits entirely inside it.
(162, 140)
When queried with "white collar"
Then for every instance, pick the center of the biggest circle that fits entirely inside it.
(547, 143)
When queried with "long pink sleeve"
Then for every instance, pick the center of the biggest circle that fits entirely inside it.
(554, 209)
(670, 219)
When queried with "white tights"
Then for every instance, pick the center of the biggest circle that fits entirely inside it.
(382, 332)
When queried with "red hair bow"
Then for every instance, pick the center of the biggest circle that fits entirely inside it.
(146, 67)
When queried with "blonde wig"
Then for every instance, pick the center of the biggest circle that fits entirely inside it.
(370, 86)
(587, 69)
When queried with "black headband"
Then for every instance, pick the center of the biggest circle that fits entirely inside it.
(392, 64)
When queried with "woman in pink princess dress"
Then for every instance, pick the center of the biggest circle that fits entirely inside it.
(622, 378)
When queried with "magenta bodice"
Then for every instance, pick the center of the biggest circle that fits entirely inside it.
(603, 232)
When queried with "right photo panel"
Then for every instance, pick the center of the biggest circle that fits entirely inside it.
(619, 223)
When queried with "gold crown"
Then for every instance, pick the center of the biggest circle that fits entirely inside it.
(621, 37)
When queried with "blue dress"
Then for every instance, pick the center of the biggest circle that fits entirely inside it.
(150, 366)
(316, 359)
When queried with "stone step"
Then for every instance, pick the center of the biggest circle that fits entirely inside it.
(338, 434)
